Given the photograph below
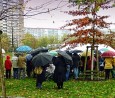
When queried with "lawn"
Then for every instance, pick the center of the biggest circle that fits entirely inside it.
(72, 89)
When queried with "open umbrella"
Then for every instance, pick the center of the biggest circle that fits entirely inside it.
(29, 57)
(23, 48)
(53, 53)
(38, 50)
(76, 51)
(108, 54)
(103, 50)
(65, 55)
(42, 59)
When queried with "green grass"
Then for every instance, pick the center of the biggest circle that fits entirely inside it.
(72, 89)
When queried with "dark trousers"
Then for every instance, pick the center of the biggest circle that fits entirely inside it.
(60, 85)
(8, 73)
(38, 81)
(16, 73)
(107, 73)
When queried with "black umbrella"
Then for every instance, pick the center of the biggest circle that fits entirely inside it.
(65, 55)
(38, 50)
(42, 59)
(75, 51)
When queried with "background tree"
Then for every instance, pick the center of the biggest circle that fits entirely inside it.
(111, 38)
(88, 28)
(30, 40)
(48, 40)
(5, 41)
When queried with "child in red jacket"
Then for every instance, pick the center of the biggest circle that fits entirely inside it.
(8, 66)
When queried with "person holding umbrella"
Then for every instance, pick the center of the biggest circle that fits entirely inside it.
(40, 75)
(41, 61)
(60, 71)
(76, 62)
(108, 67)
(109, 62)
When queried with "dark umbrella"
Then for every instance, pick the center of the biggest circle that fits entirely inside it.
(42, 59)
(108, 54)
(37, 51)
(65, 55)
(76, 51)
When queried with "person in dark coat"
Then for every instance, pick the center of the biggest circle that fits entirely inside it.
(60, 71)
(29, 66)
(76, 63)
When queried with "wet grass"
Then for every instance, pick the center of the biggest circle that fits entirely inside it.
(72, 89)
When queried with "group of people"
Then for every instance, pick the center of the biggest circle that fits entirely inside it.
(61, 68)
(18, 64)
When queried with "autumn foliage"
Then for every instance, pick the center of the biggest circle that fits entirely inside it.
(89, 28)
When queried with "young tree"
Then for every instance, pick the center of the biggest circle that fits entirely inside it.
(30, 40)
(5, 41)
(88, 28)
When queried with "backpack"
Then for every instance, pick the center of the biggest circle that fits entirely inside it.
(38, 70)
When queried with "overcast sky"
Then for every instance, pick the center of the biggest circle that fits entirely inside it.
(56, 18)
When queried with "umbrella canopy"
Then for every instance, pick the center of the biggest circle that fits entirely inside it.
(28, 57)
(76, 51)
(65, 55)
(103, 50)
(37, 51)
(23, 49)
(42, 59)
(108, 54)
(53, 53)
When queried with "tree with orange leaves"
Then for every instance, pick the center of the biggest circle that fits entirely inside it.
(88, 29)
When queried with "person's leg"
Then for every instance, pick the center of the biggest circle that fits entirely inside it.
(14, 73)
(19, 73)
(7, 74)
(113, 72)
(67, 72)
(28, 72)
(61, 84)
(38, 84)
(109, 70)
(105, 74)
(23, 73)
(75, 70)
(58, 85)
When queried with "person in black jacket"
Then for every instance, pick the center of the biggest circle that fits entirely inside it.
(60, 71)
(76, 62)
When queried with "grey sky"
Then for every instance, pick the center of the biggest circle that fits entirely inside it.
(56, 18)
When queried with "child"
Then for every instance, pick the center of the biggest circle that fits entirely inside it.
(8, 66)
